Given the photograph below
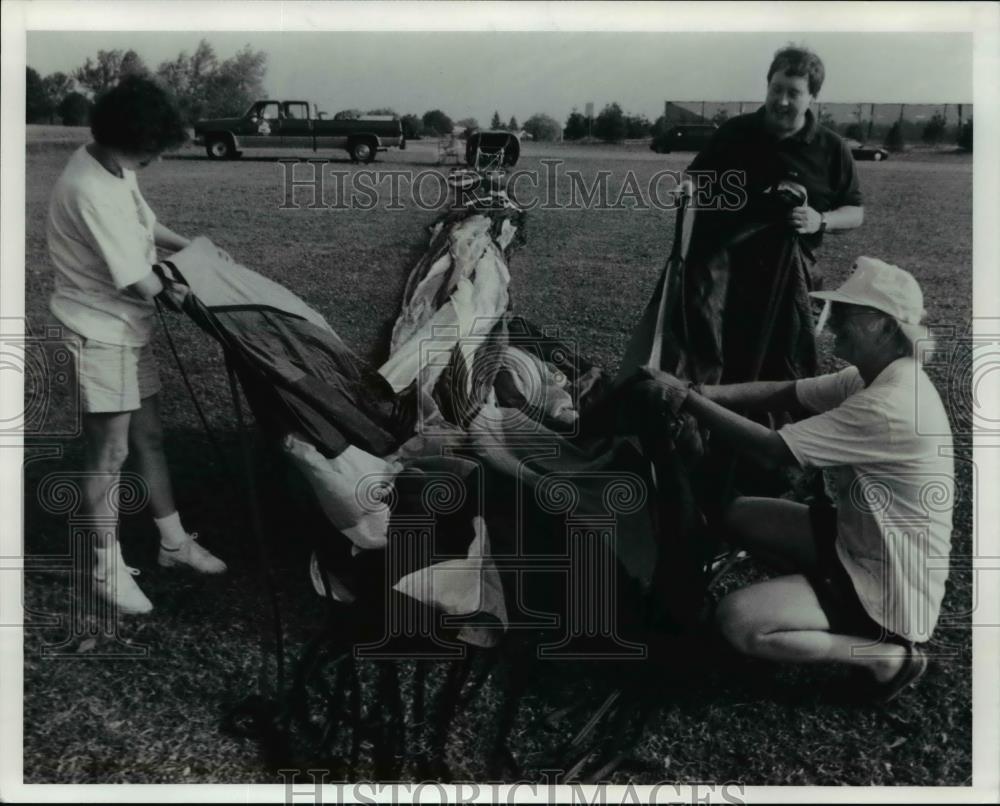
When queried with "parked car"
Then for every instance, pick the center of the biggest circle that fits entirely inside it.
(289, 124)
(684, 137)
(861, 151)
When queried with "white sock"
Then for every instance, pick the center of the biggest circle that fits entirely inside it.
(172, 534)
(106, 559)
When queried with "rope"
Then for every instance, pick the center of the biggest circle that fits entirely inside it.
(255, 518)
(257, 528)
(194, 399)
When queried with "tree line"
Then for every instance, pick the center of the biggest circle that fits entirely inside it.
(611, 125)
(205, 86)
(202, 84)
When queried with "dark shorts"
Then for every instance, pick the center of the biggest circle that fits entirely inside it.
(833, 585)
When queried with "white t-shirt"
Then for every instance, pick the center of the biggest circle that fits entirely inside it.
(100, 237)
(895, 485)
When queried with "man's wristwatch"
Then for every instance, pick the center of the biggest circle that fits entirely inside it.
(822, 223)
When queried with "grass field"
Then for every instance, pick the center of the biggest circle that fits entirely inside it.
(584, 273)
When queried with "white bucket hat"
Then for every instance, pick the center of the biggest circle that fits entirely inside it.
(887, 288)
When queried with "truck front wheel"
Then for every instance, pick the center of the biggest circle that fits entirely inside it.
(363, 150)
(220, 148)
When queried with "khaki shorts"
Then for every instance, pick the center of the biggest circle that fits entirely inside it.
(114, 378)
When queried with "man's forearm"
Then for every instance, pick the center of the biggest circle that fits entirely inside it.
(166, 238)
(844, 218)
(755, 396)
(746, 436)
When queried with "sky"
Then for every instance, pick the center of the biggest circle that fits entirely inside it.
(473, 73)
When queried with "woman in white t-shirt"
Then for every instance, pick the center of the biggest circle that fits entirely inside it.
(102, 238)
(864, 581)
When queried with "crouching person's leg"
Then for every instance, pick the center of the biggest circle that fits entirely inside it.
(783, 620)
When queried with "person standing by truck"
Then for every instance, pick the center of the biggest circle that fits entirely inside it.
(102, 238)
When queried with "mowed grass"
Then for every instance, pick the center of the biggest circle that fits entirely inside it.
(585, 274)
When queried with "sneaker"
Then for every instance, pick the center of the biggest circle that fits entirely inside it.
(913, 668)
(121, 590)
(193, 556)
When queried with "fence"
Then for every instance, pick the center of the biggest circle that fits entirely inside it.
(872, 119)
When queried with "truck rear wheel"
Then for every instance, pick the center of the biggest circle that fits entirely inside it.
(220, 148)
(363, 150)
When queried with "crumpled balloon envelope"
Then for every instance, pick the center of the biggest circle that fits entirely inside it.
(461, 587)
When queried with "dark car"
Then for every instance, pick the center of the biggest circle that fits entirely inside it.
(684, 137)
(861, 151)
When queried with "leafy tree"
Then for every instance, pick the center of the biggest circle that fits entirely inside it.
(468, 124)
(965, 136)
(57, 86)
(132, 65)
(189, 79)
(385, 110)
(610, 124)
(74, 109)
(412, 127)
(894, 139)
(576, 126)
(495, 122)
(542, 127)
(111, 66)
(637, 126)
(36, 100)
(854, 132)
(934, 129)
(513, 125)
(175, 76)
(347, 114)
(205, 87)
(238, 82)
(437, 122)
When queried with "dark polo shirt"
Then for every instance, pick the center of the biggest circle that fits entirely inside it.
(814, 156)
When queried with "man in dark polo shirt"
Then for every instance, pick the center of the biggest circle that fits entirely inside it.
(747, 310)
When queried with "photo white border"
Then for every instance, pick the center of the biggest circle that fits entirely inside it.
(981, 19)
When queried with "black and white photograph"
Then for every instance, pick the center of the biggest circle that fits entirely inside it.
(500, 402)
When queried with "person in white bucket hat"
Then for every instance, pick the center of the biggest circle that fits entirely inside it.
(862, 582)
(880, 286)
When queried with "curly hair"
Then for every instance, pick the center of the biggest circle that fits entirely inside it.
(137, 116)
(796, 60)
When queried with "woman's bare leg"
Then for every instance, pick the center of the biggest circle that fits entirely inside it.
(782, 620)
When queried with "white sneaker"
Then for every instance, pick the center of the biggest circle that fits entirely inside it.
(120, 589)
(193, 556)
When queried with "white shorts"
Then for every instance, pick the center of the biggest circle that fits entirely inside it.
(112, 377)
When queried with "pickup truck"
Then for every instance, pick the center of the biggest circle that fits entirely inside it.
(288, 124)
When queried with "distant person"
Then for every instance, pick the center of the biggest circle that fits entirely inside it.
(862, 582)
(102, 238)
(732, 266)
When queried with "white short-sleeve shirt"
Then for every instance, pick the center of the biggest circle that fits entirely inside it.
(895, 486)
(100, 238)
